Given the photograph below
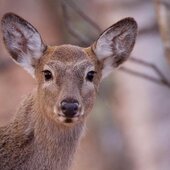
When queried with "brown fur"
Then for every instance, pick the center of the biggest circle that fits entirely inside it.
(40, 137)
(33, 140)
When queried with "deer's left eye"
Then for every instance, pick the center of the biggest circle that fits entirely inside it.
(47, 75)
(90, 75)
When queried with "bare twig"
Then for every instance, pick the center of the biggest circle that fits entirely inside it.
(82, 14)
(162, 79)
(150, 65)
(145, 76)
(71, 30)
(127, 70)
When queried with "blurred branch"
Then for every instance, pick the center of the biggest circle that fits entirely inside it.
(163, 18)
(71, 4)
(161, 81)
(166, 3)
(144, 76)
(153, 67)
(72, 30)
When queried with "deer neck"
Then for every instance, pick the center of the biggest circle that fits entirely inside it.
(54, 145)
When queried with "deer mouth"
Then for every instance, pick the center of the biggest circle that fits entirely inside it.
(68, 120)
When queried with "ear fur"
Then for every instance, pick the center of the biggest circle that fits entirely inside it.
(115, 44)
(22, 40)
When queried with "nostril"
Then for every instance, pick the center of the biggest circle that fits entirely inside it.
(75, 106)
(63, 106)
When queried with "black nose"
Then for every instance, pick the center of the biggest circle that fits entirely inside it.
(69, 109)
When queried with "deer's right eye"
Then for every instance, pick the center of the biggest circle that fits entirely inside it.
(47, 75)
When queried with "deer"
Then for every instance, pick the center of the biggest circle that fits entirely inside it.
(48, 125)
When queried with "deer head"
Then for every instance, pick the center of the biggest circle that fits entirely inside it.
(67, 76)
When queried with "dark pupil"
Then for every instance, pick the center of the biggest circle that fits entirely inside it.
(47, 75)
(90, 75)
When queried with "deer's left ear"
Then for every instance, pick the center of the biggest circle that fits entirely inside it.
(115, 44)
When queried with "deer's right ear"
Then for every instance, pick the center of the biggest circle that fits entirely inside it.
(23, 41)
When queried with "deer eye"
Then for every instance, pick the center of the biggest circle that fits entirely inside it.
(47, 75)
(90, 75)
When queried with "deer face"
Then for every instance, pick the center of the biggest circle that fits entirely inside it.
(67, 82)
(67, 76)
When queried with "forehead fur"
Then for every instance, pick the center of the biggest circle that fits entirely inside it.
(66, 54)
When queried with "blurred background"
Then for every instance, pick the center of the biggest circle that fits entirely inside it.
(129, 128)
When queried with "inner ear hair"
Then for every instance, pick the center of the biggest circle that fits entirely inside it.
(117, 41)
(23, 41)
